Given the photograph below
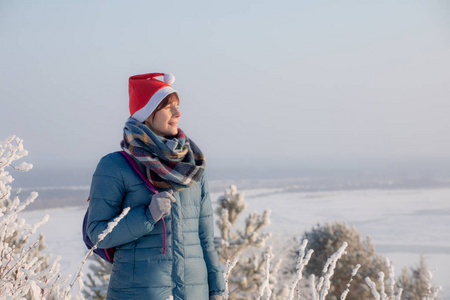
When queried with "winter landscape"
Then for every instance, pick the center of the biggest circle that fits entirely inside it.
(317, 111)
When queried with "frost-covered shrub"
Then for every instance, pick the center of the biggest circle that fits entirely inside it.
(325, 240)
(375, 276)
(24, 270)
(234, 242)
(249, 273)
(416, 282)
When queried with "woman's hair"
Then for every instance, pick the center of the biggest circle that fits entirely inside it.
(163, 104)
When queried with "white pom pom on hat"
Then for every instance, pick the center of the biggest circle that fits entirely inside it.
(146, 93)
(169, 78)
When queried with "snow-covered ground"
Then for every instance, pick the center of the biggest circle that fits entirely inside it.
(401, 223)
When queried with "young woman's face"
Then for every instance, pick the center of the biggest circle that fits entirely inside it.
(164, 122)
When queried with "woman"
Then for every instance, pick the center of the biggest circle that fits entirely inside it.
(150, 262)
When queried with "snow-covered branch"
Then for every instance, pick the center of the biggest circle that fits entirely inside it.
(301, 263)
(101, 236)
(226, 275)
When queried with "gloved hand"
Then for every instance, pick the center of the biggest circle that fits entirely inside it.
(215, 297)
(160, 205)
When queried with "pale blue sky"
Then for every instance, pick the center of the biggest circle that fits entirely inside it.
(280, 82)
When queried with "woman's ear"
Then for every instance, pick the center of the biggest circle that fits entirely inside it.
(149, 119)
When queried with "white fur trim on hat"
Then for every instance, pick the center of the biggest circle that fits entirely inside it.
(142, 114)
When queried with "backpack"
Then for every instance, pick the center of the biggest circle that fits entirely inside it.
(108, 254)
(105, 254)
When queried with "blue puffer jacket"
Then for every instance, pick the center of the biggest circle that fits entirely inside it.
(190, 268)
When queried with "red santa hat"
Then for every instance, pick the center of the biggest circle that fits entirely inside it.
(146, 93)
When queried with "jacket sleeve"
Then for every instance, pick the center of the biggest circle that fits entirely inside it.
(106, 196)
(206, 231)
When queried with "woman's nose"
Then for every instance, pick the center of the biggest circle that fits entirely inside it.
(176, 112)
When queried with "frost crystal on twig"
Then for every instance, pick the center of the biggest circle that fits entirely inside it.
(391, 280)
(301, 263)
(373, 288)
(265, 286)
(226, 275)
(347, 290)
(382, 288)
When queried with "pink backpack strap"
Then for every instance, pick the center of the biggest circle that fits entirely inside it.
(136, 168)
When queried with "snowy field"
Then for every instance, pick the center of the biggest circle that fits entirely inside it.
(402, 223)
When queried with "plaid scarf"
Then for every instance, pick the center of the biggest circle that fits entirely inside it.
(174, 162)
